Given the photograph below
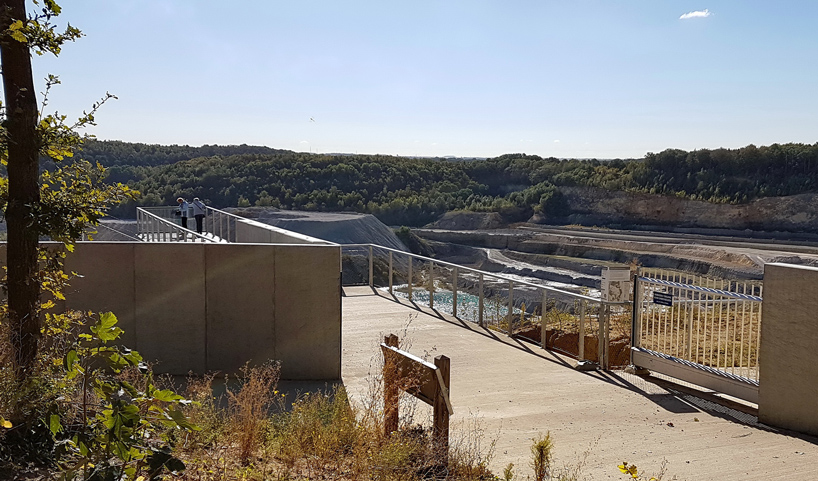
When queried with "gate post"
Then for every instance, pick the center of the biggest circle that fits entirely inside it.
(636, 315)
(602, 344)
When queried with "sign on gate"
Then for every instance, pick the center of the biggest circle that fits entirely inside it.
(663, 298)
(616, 285)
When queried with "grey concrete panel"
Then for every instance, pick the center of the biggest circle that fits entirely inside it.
(106, 283)
(308, 312)
(788, 375)
(199, 307)
(240, 305)
(249, 233)
(170, 305)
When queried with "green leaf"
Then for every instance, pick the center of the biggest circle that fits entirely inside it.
(54, 424)
(181, 421)
(133, 357)
(69, 360)
(166, 395)
(105, 328)
(129, 388)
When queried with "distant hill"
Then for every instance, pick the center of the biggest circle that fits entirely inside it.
(112, 153)
(414, 191)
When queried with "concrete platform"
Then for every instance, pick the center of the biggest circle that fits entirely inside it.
(515, 390)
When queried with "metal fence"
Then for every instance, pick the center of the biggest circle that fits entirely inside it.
(159, 224)
(710, 322)
(572, 323)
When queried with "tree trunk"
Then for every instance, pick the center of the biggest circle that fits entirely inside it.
(24, 193)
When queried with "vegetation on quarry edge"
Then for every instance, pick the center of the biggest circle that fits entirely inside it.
(415, 191)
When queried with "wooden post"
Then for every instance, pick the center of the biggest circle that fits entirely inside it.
(440, 430)
(391, 390)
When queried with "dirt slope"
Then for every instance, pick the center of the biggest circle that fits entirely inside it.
(342, 228)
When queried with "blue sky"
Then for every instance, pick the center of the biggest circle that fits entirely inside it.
(579, 78)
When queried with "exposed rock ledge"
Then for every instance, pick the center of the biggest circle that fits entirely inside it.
(795, 213)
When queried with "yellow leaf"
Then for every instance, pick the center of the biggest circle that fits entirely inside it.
(18, 35)
(5, 423)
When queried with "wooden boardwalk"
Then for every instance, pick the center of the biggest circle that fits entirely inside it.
(515, 390)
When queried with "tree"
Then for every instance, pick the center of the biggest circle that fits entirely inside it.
(58, 204)
(24, 194)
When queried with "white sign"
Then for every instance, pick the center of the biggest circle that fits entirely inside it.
(616, 285)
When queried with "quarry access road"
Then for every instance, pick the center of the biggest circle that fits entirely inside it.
(515, 391)
(778, 246)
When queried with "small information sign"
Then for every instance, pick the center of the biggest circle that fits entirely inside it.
(663, 298)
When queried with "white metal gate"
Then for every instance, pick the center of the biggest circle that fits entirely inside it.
(700, 330)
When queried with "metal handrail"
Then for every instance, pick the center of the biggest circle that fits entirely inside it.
(223, 225)
(603, 314)
(181, 232)
(489, 274)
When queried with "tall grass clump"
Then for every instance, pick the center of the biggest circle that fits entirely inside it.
(541, 457)
(249, 407)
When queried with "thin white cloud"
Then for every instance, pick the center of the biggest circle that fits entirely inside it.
(556, 141)
(696, 14)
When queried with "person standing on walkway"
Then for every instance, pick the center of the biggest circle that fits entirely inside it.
(199, 210)
(182, 212)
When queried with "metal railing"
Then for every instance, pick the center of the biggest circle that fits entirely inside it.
(159, 225)
(710, 322)
(217, 226)
(556, 319)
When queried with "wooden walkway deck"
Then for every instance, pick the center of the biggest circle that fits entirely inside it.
(516, 390)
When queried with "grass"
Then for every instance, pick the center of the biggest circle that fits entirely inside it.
(247, 433)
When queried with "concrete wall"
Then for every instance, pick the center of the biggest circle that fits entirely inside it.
(250, 231)
(212, 307)
(788, 377)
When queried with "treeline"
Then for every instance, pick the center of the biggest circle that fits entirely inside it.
(412, 191)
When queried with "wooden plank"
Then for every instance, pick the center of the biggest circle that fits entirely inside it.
(440, 429)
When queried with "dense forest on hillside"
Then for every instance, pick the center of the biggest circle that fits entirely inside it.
(413, 191)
